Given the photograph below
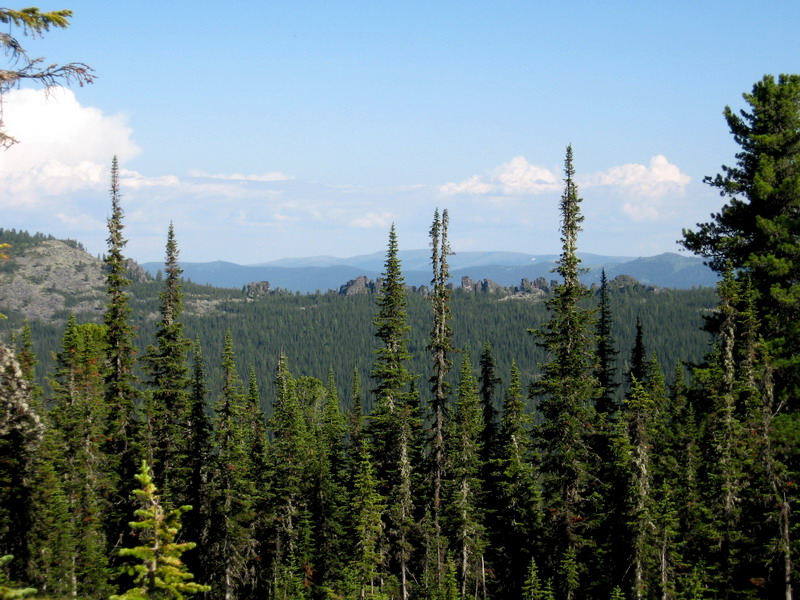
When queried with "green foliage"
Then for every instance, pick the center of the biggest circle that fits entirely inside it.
(605, 371)
(8, 591)
(35, 23)
(231, 485)
(464, 485)
(159, 571)
(79, 418)
(167, 409)
(567, 390)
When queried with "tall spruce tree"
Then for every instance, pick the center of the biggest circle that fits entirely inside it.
(441, 347)
(566, 391)
(465, 486)
(123, 442)
(199, 455)
(390, 423)
(79, 417)
(167, 401)
(290, 456)
(517, 519)
(231, 486)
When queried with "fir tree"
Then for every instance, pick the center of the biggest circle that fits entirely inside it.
(488, 381)
(167, 403)
(518, 498)
(79, 418)
(441, 346)
(123, 437)
(9, 591)
(606, 370)
(566, 391)
(390, 424)
(290, 455)
(28, 361)
(199, 448)
(466, 488)
(231, 486)
(638, 356)
(367, 567)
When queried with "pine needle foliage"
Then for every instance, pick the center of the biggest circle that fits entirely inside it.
(159, 572)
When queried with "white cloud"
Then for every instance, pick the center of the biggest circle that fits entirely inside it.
(515, 178)
(654, 181)
(518, 176)
(265, 177)
(372, 219)
(63, 146)
(645, 186)
(475, 185)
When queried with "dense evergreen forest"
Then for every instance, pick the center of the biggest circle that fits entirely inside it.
(440, 447)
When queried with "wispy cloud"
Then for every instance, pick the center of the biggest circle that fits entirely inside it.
(372, 220)
(264, 177)
(136, 181)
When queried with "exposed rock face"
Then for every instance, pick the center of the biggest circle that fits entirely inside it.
(39, 281)
(359, 285)
(256, 289)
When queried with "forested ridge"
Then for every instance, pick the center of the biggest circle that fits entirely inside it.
(441, 447)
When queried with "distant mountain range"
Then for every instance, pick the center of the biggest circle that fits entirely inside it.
(505, 268)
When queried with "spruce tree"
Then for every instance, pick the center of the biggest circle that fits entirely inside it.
(390, 423)
(566, 391)
(465, 487)
(123, 445)
(290, 456)
(79, 417)
(517, 519)
(21, 433)
(167, 400)
(606, 370)
(331, 506)
(199, 455)
(231, 486)
(441, 347)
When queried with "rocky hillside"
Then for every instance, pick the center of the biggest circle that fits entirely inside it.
(43, 279)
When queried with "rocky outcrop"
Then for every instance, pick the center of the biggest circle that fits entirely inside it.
(40, 280)
(359, 285)
(256, 289)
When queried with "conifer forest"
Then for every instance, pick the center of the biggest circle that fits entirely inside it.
(136, 467)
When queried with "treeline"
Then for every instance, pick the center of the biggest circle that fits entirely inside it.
(323, 331)
(594, 482)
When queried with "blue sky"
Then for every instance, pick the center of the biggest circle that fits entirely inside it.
(286, 129)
